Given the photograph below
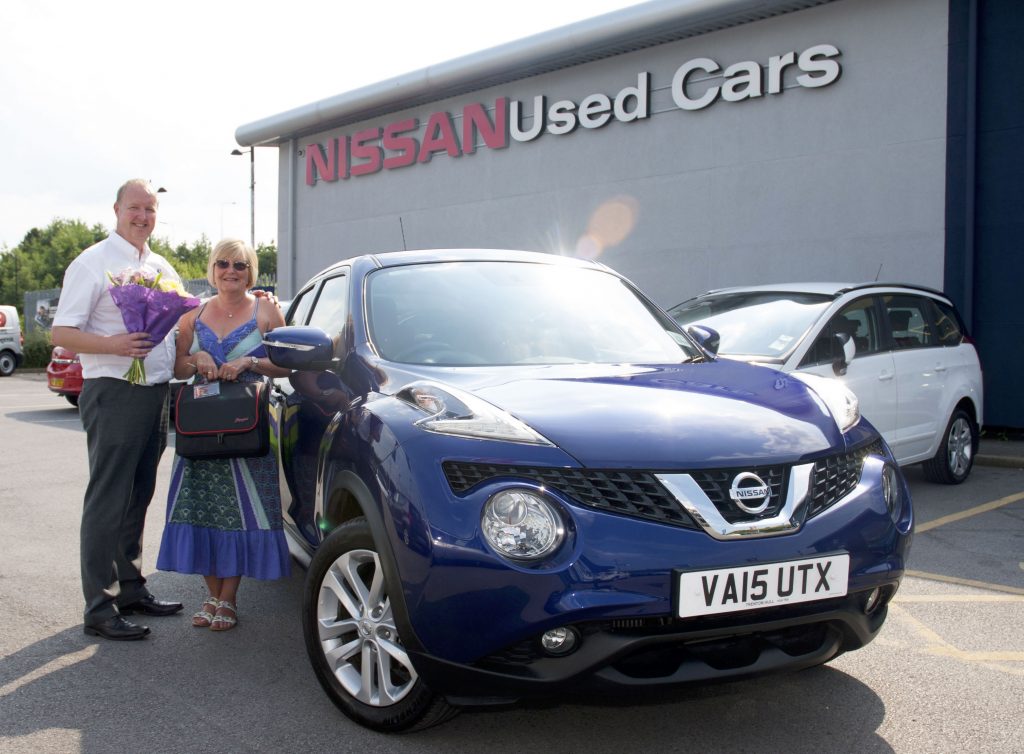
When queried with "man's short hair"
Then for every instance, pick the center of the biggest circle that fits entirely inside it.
(141, 182)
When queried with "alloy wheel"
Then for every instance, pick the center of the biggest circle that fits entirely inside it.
(357, 631)
(959, 446)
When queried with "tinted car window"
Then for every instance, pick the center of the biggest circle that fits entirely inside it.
(858, 320)
(300, 308)
(331, 309)
(909, 321)
(947, 324)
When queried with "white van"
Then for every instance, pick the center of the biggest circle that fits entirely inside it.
(11, 341)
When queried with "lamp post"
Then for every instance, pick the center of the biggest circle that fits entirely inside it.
(252, 191)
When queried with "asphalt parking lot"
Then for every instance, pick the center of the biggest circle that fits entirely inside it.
(946, 674)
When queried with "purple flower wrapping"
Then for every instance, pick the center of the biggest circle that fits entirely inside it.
(150, 310)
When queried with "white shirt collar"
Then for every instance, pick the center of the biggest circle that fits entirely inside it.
(123, 245)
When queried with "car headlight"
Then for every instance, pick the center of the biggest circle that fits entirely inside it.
(454, 412)
(521, 524)
(892, 491)
(839, 400)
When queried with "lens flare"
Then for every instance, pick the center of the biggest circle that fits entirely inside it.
(610, 225)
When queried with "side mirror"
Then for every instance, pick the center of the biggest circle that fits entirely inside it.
(706, 337)
(300, 347)
(845, 349)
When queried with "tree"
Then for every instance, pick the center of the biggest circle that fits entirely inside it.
(39, 261)
(267, 256)
(189, 261)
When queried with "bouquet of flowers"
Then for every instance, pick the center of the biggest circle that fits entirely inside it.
(148, 304)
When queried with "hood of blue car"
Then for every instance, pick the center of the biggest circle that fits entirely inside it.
(665, 417)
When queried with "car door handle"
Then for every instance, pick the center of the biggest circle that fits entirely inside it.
(886, 375)
(940, 367)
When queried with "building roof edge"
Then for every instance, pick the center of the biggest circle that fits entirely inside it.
(613, 33)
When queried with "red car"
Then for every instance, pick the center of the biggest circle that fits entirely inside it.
(64, 374)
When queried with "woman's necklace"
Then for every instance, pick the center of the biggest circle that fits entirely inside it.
(228, 311)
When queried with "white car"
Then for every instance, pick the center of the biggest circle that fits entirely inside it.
(902, 349)
(11, 341)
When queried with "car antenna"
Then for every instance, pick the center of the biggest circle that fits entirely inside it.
(876, 274)
(402, 226)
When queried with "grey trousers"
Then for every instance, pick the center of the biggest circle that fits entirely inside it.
(126, 433)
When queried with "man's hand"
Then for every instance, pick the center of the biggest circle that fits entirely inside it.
(134, 344)
(270, 297)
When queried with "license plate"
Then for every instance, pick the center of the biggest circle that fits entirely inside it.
(56, 382)
(728, 590)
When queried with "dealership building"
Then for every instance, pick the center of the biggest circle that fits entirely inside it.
(696, 144)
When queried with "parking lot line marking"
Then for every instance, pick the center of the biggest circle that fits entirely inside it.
(936, 645)
(926, 598)
(965, 582)
(983, 508)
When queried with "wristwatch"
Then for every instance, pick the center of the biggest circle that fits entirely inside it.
(253, 362)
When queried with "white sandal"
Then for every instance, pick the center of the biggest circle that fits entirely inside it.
(224, 622)
(204, 618)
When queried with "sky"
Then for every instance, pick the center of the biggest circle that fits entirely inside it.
(94, 93)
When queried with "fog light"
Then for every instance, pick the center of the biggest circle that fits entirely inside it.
(559, 641)
(873, 601)
(521, 524)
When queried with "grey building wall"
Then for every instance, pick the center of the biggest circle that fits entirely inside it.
(840, 182)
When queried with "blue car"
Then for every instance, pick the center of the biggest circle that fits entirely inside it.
(511, 475)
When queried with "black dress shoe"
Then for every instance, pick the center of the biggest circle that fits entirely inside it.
(150, 605)
(117, 629)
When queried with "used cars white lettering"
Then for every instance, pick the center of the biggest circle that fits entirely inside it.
(562, 117)
(696, 84)
(749, 79)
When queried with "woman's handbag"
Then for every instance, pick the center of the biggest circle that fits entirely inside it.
(222, 420)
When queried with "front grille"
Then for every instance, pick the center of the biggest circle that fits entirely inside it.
(836, 477)
(716, 484)
(631, 493)
(639, 494)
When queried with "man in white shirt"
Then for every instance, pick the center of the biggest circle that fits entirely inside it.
(125, 424)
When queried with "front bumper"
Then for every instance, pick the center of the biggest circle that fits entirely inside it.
(651, 653)
(477, 619)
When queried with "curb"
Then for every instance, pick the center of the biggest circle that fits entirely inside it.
(1006, 462)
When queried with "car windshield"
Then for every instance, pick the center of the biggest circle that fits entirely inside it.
(761, 324)
(497, 313)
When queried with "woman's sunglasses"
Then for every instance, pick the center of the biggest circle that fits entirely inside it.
(223, 264)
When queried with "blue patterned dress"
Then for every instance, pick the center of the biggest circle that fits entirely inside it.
(224, 514)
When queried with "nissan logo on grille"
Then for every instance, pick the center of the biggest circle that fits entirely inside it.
(749, 492)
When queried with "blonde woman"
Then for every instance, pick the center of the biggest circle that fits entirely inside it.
(224, 515)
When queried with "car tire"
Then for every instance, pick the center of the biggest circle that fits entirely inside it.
(955, 457)
(72, 399)
(7, 363)
(347, 620)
